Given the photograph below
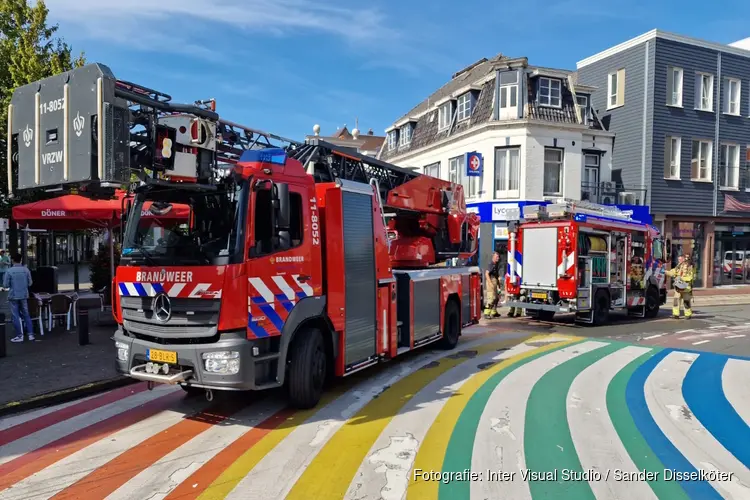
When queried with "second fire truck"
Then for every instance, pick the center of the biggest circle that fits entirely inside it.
(297, 262)
(587, 259)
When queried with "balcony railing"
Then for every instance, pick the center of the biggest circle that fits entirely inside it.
(612, 193)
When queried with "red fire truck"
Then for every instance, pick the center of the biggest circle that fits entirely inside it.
(583, 258)
(298, 261)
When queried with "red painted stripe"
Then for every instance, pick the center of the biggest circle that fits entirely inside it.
(192, 487)
(22, 430)
(105, 480)
(26, 465)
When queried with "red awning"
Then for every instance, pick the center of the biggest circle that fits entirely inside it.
(72, 212)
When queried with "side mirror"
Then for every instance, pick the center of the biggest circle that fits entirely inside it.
(281, 205)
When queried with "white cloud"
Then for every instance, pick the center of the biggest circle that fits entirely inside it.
(170, 24)
(741, 44)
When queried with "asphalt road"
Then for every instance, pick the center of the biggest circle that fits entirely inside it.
(587, 417)
(718, 329)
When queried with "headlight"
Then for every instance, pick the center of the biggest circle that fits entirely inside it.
(122, 351)
(222, 362)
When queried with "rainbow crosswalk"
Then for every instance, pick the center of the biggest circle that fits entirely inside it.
(601, 419)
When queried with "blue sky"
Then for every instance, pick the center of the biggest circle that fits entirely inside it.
(284, 65)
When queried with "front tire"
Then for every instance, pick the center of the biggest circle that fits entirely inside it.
(451, 325)
(308, 369)
(601, 308)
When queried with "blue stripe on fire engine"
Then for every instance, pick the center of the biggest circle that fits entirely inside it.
(269, 312)
(124, 290)
(285, 302)
(140, 290)
(158, 288)
(519, 257)
(255, 328)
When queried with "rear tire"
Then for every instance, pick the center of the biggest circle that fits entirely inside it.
(452, 326)
(307, 369)
(601, 308)
(652, 302)
(546, 315)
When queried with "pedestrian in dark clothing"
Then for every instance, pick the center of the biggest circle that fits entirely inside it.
(17, 280)
(491, 285)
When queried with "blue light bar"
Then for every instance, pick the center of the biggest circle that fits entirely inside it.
(276, 156)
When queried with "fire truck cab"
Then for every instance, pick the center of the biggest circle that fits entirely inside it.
(587, 259)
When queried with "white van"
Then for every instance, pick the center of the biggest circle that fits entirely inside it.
(740, 259)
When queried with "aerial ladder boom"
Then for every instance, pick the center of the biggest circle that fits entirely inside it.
(87, 131)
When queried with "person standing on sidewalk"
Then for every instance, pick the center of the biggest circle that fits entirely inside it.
(4, 265)
(491, 284)
(17, 280)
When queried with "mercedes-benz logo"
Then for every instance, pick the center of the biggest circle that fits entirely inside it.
(162, 307)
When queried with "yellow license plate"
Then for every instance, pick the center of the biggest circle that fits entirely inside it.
(538, 295)
(162, 356)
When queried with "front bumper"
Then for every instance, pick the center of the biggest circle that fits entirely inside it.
(540, 307)
(190, 369)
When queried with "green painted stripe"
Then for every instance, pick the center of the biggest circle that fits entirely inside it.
(548, 445)
(461, 445)
(642, 455)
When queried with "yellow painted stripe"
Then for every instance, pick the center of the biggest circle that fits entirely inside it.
(230, 478)
(334, 467)
(432, 450)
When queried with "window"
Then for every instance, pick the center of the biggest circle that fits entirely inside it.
(457, 174)
(582, 101)
(700, 164)
(729, 163)
(550, 92)
(266, 241)
(732, 90)
(445, 113)
(673, 146)
(433, 170)
(553, 171)
(590, 160)
(674, 86)
(392, 136)
(508, 95)
(705, 92)
(507, 172)
(616, 89)
(406, 131)
(464, 106)
(590, 180)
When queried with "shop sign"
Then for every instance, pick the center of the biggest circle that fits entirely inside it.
(505, 211)
(501, 232)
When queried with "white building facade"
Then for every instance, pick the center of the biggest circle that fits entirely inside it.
(534, 131)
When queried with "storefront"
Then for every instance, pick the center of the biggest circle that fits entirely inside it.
(688, 238)
(731, 257)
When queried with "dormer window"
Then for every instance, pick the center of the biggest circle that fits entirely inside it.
(582, 101)
(406, 132)
(464, 106)
(392, 139)
(550, 92)
(445, 114)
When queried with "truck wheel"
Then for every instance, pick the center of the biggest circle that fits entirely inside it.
(601, 308)
(307, 369)
(652, 302)
(452, 323)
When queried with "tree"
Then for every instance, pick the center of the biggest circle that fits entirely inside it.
(29, 51)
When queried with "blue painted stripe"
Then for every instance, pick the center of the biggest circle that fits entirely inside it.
(140, 290)
(124, 290)
(301, 295)
(158, 288)
(659, 443)
(271, 314)
(519, 257)
(704, 395)
(254, 327)
(285, 302)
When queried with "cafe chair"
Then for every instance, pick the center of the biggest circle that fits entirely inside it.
(60, 305)
(35, 312)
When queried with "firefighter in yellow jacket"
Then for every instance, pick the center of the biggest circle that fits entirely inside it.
(684, 275)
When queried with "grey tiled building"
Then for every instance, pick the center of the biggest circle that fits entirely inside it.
(680, 109)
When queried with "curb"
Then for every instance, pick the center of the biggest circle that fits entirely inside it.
(64, 395)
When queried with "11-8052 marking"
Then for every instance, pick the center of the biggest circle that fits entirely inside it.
(52, 105)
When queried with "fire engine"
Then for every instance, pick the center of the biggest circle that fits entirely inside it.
(583, 258)
(299, 260)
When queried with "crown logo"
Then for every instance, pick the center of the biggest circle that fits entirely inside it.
(28, 135)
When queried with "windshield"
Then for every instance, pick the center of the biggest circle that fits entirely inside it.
(170, 226)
